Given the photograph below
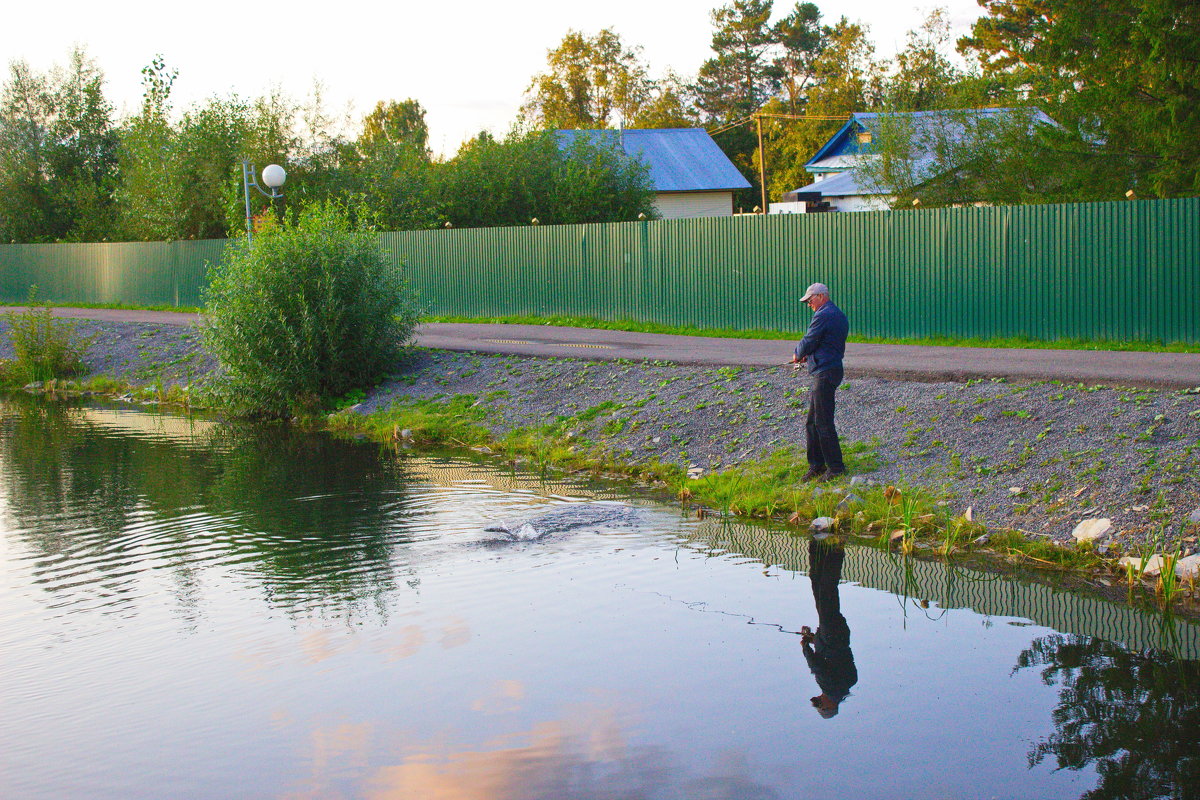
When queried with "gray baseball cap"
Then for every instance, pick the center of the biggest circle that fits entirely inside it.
(816, 288)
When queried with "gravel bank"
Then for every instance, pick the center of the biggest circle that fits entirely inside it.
(136, 352)
(1038, 457)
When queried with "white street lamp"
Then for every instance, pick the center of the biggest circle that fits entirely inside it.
(273, 176)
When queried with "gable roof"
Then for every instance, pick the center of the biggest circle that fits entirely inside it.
(841, 184)
(843, 152)
(843, 149)
(680, 159)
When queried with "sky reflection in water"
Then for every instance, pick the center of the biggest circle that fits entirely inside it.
(191, 610)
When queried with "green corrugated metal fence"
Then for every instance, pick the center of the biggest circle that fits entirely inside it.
(1105, 270)
(1121, 271)
(133, 273)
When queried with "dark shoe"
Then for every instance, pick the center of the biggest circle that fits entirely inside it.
(813, 474)
(830, 475)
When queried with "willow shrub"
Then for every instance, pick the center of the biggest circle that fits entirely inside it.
(311, 310)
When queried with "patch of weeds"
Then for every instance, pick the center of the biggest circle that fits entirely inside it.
(596, 410)
(46, 348)
(729, 373)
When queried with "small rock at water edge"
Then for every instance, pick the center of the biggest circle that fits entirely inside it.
(822, 524)
(850, 500)
(1188, 567)
(1091, 529)
(1152, 567)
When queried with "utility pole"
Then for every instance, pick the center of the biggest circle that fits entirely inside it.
(762, 164)
(762, 154)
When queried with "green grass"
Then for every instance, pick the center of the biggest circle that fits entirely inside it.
(1015, 342)
(117, 306)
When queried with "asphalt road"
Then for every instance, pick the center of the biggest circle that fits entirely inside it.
(912, 362)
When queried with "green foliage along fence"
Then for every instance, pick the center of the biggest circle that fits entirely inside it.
(1118, 271)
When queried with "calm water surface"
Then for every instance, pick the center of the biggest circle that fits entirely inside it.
(192, 611)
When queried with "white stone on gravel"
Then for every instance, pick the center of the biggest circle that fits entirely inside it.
(1091, 529)
(1194, 517)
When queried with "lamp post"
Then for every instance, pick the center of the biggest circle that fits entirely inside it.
(273, 176)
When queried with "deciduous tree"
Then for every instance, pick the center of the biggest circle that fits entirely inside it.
(592, 82)
(58, 153)
(391, 124)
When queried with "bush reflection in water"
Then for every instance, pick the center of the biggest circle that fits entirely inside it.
(309, 516)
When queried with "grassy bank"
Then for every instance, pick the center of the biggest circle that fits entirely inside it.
(908, 519)
(113, 306)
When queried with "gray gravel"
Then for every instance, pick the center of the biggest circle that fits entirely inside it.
(1038, 457)
(137, 353)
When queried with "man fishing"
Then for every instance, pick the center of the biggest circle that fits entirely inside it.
(822, 349)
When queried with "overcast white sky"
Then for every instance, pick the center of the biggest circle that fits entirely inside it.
(467, 61)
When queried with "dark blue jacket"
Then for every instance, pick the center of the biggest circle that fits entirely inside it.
(825, 340)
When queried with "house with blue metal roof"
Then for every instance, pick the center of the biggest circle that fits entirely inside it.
(840, 185)
(691, 176)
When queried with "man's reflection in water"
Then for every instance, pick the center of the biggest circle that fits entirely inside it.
(828, 650)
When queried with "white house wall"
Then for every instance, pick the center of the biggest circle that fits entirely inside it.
(859, 203)
(686, 205)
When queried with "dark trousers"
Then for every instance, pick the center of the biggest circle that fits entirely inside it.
(824, 450)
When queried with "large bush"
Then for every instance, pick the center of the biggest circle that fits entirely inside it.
(308, 312)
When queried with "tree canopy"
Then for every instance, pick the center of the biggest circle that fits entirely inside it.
(1122, 77)
(1119, 78)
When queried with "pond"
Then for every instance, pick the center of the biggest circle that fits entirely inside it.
(195, 610)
